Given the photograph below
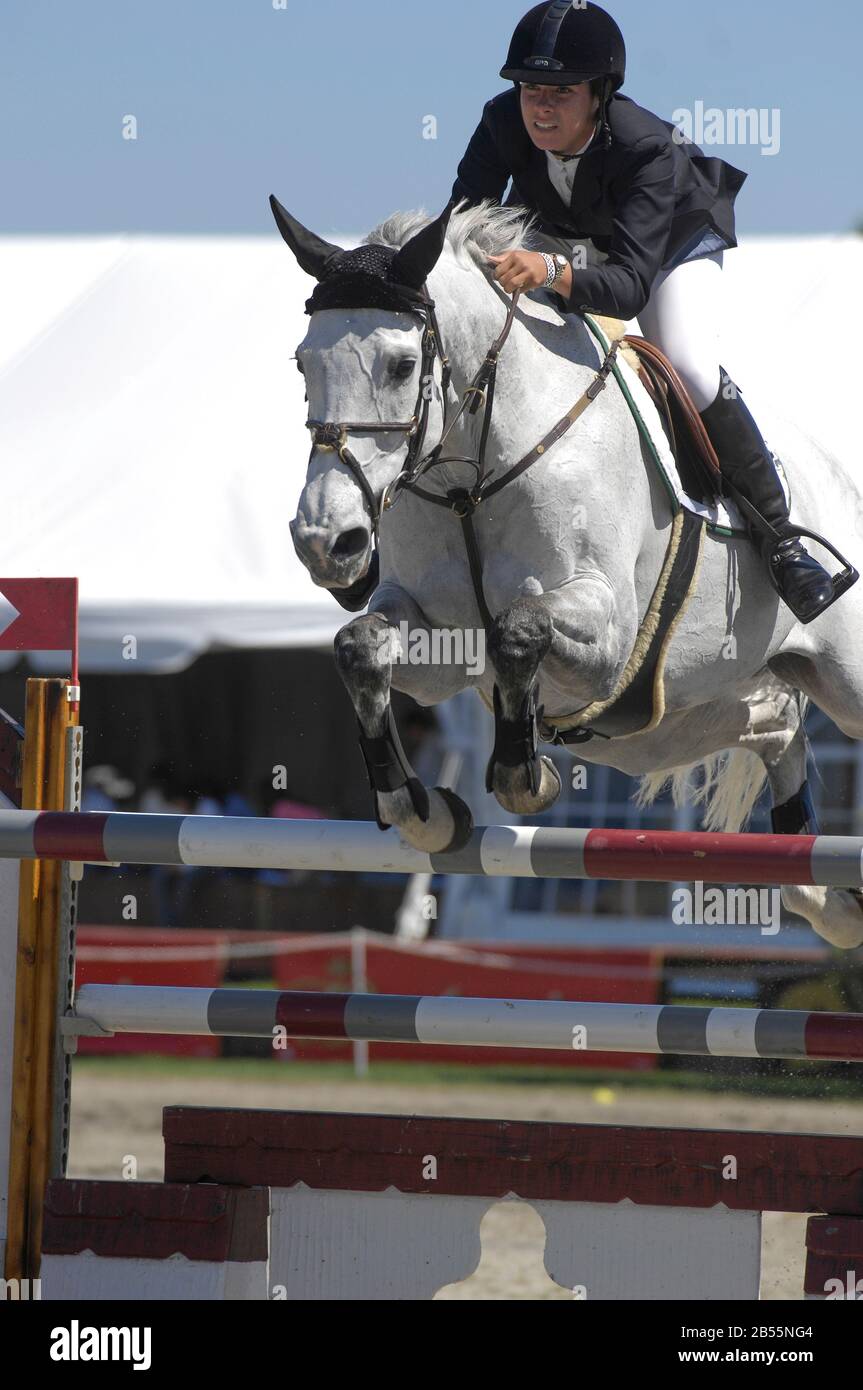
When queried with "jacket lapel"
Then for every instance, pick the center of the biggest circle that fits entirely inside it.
(586, 187)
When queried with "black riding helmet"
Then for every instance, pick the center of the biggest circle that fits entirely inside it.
(564, 43)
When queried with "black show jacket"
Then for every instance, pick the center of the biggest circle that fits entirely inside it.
(646, 201)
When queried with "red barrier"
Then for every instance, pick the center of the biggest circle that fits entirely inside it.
(543, 972)
(207, 973)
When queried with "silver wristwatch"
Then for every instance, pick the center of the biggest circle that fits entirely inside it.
(555, 264)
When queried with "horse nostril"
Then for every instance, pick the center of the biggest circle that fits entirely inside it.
(350, 543)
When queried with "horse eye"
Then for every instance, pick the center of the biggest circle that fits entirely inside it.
(403, 368)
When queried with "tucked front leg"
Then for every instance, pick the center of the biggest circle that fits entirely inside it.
(594, 631)
(430, 664)
(435, 820)
(520, 639)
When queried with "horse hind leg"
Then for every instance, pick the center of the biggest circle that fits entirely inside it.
(432, 820)
(519, 640)
(836, 914)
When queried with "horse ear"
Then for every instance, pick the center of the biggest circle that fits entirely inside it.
(413, 261)
(313, 254)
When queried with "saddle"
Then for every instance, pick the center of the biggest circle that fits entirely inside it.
(688, 439)
(696, 459)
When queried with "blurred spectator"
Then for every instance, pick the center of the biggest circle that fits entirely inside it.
(209, 800)
(160, 796)
(283, 804)
(170, 884)
(238, 804)
(103, 788)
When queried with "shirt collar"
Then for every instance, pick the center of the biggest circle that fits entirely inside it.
(566, 158)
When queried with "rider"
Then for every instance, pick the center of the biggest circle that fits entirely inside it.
(651, 216)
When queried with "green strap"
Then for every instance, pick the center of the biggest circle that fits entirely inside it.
(714, 528)
(638, 417)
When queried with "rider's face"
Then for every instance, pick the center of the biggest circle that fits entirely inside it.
(559, 118)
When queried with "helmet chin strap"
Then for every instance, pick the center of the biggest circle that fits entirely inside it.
(605, 128)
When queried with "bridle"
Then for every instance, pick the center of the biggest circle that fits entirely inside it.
(463, 502)
(330, 435)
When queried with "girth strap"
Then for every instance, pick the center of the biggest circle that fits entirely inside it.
(474, 558)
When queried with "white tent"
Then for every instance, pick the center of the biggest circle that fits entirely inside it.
(153, 437)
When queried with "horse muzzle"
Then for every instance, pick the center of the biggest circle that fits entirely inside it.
(334, 561)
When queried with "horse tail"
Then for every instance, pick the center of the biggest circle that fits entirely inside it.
(727, 785)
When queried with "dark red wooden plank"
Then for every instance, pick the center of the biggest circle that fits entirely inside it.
(149, 1220)
(587, 1163)
(11, 754)
(834, 1252)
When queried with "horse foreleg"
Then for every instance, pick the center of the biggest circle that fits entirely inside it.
(836, 914)
(435, 820)
(519, 640)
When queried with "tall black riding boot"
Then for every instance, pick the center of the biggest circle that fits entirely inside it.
(748, 465)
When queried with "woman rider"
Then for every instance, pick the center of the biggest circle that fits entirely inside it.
(652, 216)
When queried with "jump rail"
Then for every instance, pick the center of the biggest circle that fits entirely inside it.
(246, 842)
(561, 1026)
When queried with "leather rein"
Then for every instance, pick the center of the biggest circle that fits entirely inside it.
(463, 502)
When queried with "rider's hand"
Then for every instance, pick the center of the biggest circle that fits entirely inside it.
(520, 270)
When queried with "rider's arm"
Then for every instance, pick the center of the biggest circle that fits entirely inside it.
(482, 172)
(643, 193)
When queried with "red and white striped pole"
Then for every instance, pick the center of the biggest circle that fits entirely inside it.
(553, 1025)
(517, 851)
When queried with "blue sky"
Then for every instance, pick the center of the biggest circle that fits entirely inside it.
(323, 102)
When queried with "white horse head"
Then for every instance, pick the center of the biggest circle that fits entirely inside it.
(362, 360)
(364, 364)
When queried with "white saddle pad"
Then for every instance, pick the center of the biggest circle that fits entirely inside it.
(722, 516)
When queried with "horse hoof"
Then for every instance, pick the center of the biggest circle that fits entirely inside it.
(834, 913)
(447, 826)
(549, 787)
(513, 790)
(462, 820)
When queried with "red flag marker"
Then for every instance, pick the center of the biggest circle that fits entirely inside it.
(40, 615)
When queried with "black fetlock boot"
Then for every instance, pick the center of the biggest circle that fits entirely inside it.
(747, 463)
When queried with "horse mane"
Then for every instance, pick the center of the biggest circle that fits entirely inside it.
(474, 230)
(479, 230)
